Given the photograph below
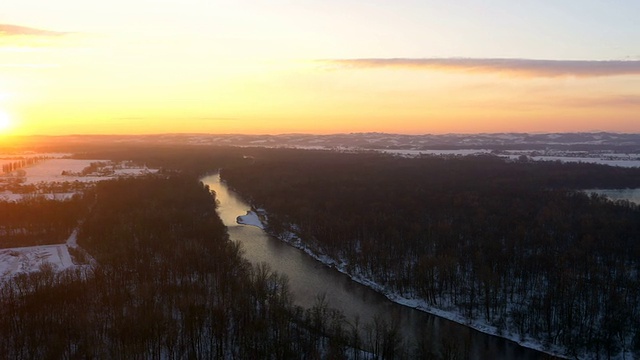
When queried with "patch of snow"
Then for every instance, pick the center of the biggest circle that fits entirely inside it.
(51, 171)
(620, 163)
(14, 261)
(28, 259)
(11, 197)
(631, 195)
(461, 152)
(251, 218)
(134, 171)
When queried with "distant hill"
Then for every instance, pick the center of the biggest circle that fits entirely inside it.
(618, 142)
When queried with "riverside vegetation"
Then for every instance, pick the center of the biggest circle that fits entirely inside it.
(168, 283)
(513, 245)
(510, 243)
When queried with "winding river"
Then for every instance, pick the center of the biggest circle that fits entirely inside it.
(309, 278)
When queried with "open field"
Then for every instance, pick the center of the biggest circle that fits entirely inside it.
(27, 259)
(58, 177)
(19, 260)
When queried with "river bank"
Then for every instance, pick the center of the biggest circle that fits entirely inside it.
(259, 218)
(359, 301)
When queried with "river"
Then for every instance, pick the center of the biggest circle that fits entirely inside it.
(309, 278)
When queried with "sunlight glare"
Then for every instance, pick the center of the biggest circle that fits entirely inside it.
(5, 121)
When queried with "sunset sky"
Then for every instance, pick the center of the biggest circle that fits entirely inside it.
(310, 66)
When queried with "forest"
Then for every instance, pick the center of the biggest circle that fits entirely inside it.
(36, 220)
(168, 283)
(513, 243)
(510, 242)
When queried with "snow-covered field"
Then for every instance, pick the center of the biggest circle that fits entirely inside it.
(62, 170)
(591, 160)
(42, 177)
(51, 171)
(27, 259)
(14, 261)
(612, 159)
(631, 195)
(412, 153)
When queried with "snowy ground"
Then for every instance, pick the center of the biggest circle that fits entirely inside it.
(411, 153)
(62, 170)
(28, 259)
(593, 160)
(251, 218)
(631, 195)
(612, 159)
(51, 171)
(14, 261)
(9, 196)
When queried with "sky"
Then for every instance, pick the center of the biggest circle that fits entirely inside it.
(309, 66)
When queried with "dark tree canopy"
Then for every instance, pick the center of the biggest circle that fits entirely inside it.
(513, 243)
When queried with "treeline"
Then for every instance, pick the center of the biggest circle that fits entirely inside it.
(194, 160)
(169, 284)
(511, 244)
(37, 221)
(18, 164)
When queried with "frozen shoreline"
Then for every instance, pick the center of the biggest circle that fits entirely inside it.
(253, 218)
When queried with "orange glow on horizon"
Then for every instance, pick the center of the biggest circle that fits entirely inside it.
(194, 66)
(116, 88)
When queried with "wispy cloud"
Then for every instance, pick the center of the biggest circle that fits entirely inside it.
(618, 101)
(518, 67)
(15, 30)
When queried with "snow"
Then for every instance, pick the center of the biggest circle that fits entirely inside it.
(11, 197)
(460, 152)
(51, 171)
(132, 171)
(591, 160)
(611, 159)
(14, 261)
(291, 238)
(251, 218)
(631, 195)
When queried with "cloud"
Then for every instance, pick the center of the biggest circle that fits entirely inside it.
(618, 101)
(518, 67)
(15, 30)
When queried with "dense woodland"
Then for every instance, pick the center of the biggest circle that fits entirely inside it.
(169, 284)
(38, 221)
(507, 242)
(510, 243)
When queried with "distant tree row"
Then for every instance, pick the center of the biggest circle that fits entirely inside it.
(510, 243)
(19, 164)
